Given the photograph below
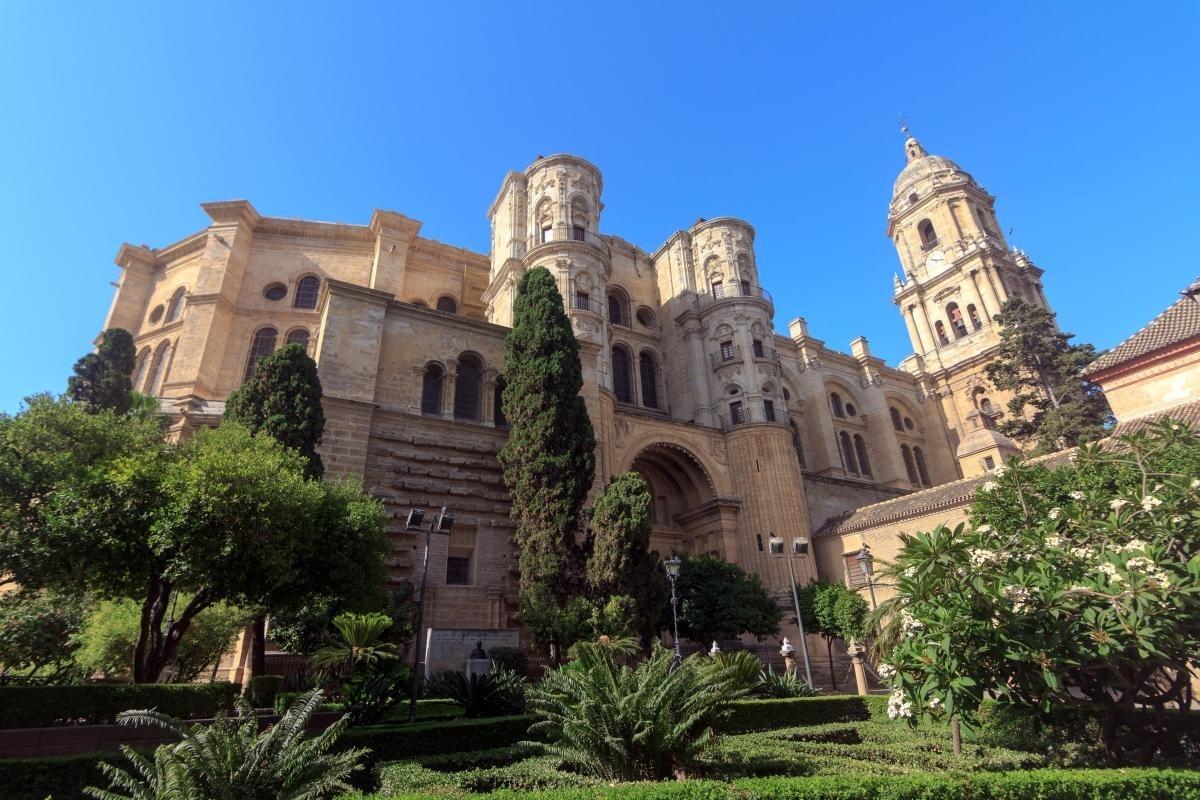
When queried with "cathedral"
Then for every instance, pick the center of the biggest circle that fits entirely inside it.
(743, 434)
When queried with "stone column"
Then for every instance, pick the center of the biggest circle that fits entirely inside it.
(921, 338)
(860, 668)
(489, 397)
(984, 309)
(448, 389)
(693, 335)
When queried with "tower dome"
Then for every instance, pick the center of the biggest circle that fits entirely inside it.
(921, 165)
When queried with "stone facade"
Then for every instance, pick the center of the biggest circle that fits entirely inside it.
(742, 433)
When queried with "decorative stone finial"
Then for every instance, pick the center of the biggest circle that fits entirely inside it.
(714, 649)
(787, 648)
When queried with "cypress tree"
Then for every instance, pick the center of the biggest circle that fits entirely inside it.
(620, 563)
(549, 459)
(1052, 404)
(283, 398)
(103, 379)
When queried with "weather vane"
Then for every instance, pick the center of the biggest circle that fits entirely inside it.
(903, 124)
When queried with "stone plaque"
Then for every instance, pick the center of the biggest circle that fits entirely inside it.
(450, 648)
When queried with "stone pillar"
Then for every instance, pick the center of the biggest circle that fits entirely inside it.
(448, 389)
(856, 651)
(921, 340)
(693, 335)
(987, 308)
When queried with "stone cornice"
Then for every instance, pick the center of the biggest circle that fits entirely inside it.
(136, 258)
(393, 222)
(510, 176)
(302, 228)
(232, 212)
(700, 226)
(445, 318)
(341, 288)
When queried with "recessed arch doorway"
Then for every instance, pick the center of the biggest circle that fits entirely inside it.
(686, 513)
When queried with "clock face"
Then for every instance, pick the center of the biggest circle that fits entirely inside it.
(936, 262)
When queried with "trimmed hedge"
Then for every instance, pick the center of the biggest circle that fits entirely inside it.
(1128, 784)
(39, 778)
(400, 742)
(764, 715)
(263, 690)
(43, 706)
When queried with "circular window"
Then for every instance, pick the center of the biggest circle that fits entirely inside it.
(733, 390)
(850, 409)
(646, 317)
(908, 423)
(275, 291)
(156, 314)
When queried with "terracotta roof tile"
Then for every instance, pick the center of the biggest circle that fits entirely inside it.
(1178, 323)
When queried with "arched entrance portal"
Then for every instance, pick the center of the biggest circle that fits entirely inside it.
(685, 511)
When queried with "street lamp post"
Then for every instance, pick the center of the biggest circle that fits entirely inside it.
(441, 525)
(866, 562)
(799, 548)
(672, 566)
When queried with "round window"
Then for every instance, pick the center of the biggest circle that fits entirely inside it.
(646, 317)
(275, 291)
(850, 409)
(908, 423)
(156, 314)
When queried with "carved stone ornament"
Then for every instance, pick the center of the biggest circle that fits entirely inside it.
(716, 447)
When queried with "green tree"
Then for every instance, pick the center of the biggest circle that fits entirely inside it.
(719, 600)
(620, 562)
(99, 502)
(834, 612)
(1078, 585)
(1052, 404)
(549, 458)
(36, 632)
(103, 379)
(283, 399)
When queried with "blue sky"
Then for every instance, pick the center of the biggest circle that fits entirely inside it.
(1082, 118)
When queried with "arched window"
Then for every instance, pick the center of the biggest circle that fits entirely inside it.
(158, 370)
(447, 304)
(955, 315)
(920, 459)
(941, 332)
(648, 370)
(298, 336)
(175, 307)
(431, 390)
(847, 452)
(261, 346)
(976, 323)
(896, 419)
(618, 307)
(797, 443)
(467, 384)
(139, 369)
(622, 377)
(985, 405)
(910, 466)
(498, 404)
(580, 218)
(835, 402)
(860, 450)
(307, 289)
(928, 234)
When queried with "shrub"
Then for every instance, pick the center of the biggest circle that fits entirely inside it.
(742, 667)
(233, 758)
(762, 715)
(263, 690)
(398, 742)
(513, 659)
(495, 694)
(41, 706)
(621, 723)
(41, 778)
(782, 685)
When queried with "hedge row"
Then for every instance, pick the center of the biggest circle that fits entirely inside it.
(60, 778)
(1127, 784)
(748, 716)
(43, 706)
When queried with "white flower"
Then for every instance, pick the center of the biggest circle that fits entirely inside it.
(1077, 495)
(934, 703)
(1054, 541)
(898, 706)
(908, 572)
(1150, 502)
(1118, 504)
(1083, 552)
(1110, 569)
(909, 624)
(1131, 545)
(1196, 483)
(1073, 457)
(1055, 513)
(984, 529)
(981, 557)
(1021, 598)
(987, 486)
(887, 672)
(999, 471)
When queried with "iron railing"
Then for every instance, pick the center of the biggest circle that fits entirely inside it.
(580, 302)
(726, 355)
(732, 291)
(767, 353)
(746, 416)
(567, 234)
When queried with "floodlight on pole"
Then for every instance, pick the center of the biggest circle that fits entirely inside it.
(799, 548)
(441, 525)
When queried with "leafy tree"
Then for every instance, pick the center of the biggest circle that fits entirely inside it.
(309, 627)
(232, 758)
(36, 630)
(103, 379)
(549, 459)
(1052, 404)
(719, 600)
(1072, 586)
(362, 644)
(109, 635)
(620, 562)
(834, 612)
(99, 502)
(283, 399)
(625, 724)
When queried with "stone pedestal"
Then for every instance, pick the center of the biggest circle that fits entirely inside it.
(856, 651)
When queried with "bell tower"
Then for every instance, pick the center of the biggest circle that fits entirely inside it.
(957, 272)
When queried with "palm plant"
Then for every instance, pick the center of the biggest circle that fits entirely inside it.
(621, 723)
(362, 643)
(493, 694)
(741, 667)
(784, 684)
(232, 760)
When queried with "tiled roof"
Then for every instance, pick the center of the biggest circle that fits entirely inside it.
(1188, 414)
(1178, 323)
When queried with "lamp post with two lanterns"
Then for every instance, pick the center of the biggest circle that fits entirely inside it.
(441, 525)
(799, 548)
(672, 565)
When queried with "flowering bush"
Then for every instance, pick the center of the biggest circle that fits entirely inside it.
(1078, 585)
